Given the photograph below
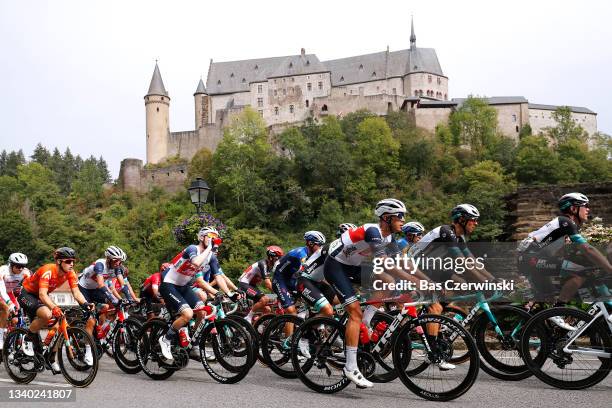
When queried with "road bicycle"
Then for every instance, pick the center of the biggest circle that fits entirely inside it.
(70, 343)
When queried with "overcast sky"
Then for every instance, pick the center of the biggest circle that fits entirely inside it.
(74, 73)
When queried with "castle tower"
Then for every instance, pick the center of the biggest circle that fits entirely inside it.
(157, 105)
(202, 104)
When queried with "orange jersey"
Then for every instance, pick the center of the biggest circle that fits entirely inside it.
(47, 276)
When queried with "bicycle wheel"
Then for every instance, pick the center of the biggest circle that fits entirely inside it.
(276, 344)
(74, 350)
(233, 350)
(250, 330)
(501, 349)
(148, 350)
(577, 369)
(320, 369)
(18, 366)
(434, 383)
(124, 346)
(260, 326)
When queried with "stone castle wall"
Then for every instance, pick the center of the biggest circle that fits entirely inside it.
(134, 177)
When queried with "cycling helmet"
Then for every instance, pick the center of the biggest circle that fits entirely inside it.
(274, 251)
(207, 230)
(413, 227)
(64, 253)
(114, 252)
(467, 211)
(315, 237)
(18, 259)
(389, 206)
(572, 199)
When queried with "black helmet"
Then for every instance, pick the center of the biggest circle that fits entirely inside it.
(64, 253)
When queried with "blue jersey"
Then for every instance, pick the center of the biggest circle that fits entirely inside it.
(289, 265)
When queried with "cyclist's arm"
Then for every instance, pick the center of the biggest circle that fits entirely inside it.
(43, 295)
(3, 295)
(134, 297)
(593, 255)
(229, 282)
(78, 296)
(202, 284)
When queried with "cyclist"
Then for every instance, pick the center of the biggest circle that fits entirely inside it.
(11, 276)
(176, 289)
(342, 228)
(256, 274)
(285, 271)
(413, 232)
(93, 284)
(538, 252)
(149, 290)
(35, 300)
(451, 240)
(342, 269)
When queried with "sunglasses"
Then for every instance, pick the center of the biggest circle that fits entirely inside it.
(68, 261)
(19, 266)
(400, 216)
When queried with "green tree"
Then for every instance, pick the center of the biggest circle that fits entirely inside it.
(88, 183)
(41, 155)
(376, 147)
(474, 123)
(566, 128)
(38, 186)
(200, 165)
(536, 162)
(12, 162)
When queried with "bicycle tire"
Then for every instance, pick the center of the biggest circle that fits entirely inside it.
(538, 325)
(270, 344)
(260, 326)
(127, 365)
(147, 349)
(78, 340)
(250, 330)
(404, 340)
(14, 339)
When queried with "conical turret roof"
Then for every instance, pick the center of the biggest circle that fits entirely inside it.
(201, 88)
(157, 85)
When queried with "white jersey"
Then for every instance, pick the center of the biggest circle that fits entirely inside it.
(255, 273)
(88, 278)
(9, 281)
(355, 245)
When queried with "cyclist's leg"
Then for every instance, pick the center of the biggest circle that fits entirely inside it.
(283, 291)
(176, 302)
(315, 298)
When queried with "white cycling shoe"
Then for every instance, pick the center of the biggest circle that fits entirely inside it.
(558, 321)
(304, 346)
(358, 378)
(88, 358)
(28, 348)
(166, 348)
(445, 366)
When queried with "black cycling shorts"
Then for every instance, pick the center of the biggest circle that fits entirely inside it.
(316, 294)
(251, 291)
(342, 277)
(30, 303)
(179, 298)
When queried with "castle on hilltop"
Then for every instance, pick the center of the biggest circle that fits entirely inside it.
(288, 90)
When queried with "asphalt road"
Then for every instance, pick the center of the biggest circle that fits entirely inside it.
(192, 387)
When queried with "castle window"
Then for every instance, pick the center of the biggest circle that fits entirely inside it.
(290, 108)
(259, 89)
(514, 118)
(259, 102)
(377, 88)
(320, 85)
(147, 98)
(420, 92)
(243, 80)
(275, 81)
(309, 86)
(256, 67)
(219, 82)
(276, 110)
(374, 74)
(361, 66)
(182, 171)
(416, 92)
(291, 90)
(324, 108)
(162, 98)
(341, 79)
(292, 79)
(232, 75)
(307, 103)
(275, 92)
(168, 174)
(394, 91)
(429, 78)
(439, 80)
(260, 113)
(157, 109)
(284, 91)
(291, 65)
(153, 177)
(307, 62)
(517, 128)
(445, 98)
(283, 79)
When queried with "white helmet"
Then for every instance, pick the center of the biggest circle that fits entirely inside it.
(572, 199)
(467, 211)
(114, 252)
(389, 206)
(207, 230)
(18, 258)
(315, 237)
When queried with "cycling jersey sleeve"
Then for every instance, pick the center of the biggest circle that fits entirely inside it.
(98, 268)
(570, 229)
(376, 242)
(448, 236)
(190, 252)
(3, 293)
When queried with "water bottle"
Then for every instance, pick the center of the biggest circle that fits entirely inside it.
(184, 339)
(364, 336)
(379, 329)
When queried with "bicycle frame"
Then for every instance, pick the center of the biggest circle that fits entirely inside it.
(398, 320)
(598, 309)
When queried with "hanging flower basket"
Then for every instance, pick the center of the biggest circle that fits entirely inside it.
(186, 231)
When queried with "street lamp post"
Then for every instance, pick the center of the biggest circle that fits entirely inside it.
(198, 192)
